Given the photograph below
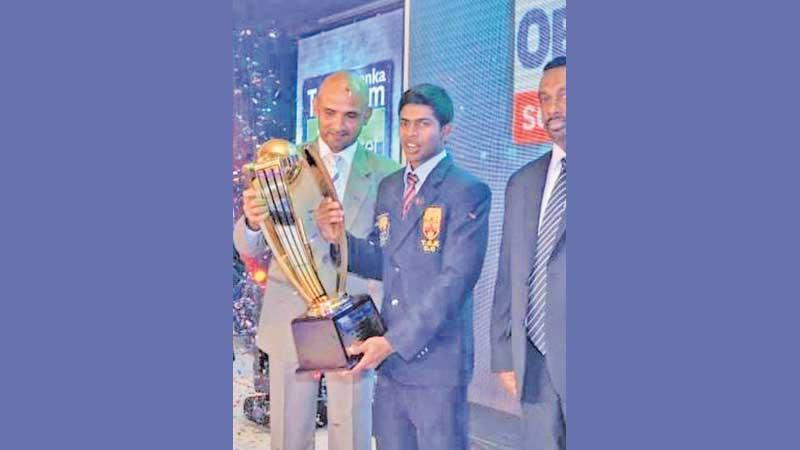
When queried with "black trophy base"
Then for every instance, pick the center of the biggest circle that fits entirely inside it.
(321, 342)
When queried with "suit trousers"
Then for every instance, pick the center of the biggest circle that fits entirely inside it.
(543, 422)
(293, 406)
(420, 417)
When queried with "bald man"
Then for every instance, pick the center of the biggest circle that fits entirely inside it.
(341, 106)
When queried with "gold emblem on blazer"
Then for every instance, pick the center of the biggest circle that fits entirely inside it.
(431, 228)
(382, 222)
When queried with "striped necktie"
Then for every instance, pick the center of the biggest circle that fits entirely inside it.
(537, 281)
(408, 195)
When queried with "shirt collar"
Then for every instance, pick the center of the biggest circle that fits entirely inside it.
(555, 160)
(423, 170)
(348, 153)
(558, 153)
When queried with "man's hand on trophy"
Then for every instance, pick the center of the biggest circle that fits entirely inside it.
(329, 216)
(374, 349)
(255, 208)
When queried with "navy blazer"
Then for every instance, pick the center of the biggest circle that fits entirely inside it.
(429, 263)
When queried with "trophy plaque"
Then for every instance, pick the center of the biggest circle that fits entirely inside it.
(293, 182)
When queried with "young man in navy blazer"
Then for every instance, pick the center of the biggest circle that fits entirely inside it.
(428, 245)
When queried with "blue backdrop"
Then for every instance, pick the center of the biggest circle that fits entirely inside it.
(468, 48)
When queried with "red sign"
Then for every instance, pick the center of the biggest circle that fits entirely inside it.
(527, 122)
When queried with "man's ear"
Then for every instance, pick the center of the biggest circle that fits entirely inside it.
(446, 131)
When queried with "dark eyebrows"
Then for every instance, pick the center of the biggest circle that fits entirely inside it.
(420, 120)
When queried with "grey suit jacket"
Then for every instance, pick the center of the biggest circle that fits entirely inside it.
(280, 303)
(508, 337)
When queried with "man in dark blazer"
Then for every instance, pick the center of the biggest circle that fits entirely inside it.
(428, 246)
(528, 329)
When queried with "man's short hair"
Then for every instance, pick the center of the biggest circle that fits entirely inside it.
(556, 62)
(430, 95)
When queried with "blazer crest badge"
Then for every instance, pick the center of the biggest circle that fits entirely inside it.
(431, 229)
(382, 223)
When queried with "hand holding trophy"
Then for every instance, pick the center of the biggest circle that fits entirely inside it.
(330, 219)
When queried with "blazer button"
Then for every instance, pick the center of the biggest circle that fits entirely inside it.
(395, 302)
(396, 269)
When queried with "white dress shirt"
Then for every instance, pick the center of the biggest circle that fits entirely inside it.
(422, 171)
(329, 159)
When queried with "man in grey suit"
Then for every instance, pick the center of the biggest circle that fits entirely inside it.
(528, 329)
(342, 109)
(428, 246)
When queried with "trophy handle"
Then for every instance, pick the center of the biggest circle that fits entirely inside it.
(293, 183)
(278, 251)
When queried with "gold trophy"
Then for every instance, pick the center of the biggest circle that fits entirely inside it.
(293, 183)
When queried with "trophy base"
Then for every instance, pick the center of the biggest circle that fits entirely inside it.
(321, 342)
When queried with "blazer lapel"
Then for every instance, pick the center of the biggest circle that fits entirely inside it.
(534, 195)
(426, 196)
(393, 193)
(358, 186)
